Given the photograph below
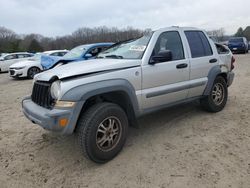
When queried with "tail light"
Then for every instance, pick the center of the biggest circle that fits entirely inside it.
(232, 62)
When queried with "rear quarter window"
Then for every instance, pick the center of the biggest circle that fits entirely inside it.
(222, 49)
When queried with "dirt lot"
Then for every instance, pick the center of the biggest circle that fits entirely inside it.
(179, 147)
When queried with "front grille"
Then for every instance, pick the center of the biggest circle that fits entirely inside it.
(41, 94)
(12, 72)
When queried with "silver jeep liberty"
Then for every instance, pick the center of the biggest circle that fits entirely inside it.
(98, 99)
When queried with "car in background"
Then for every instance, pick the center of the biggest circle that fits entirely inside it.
(79, 53)
(9, 59)
(30, 67)
(3, 54)
(238, 45)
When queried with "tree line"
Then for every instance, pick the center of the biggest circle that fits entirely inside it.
(12, 42)
(243, 32)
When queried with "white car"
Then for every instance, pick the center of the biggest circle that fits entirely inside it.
(30, 67)
(9, 59)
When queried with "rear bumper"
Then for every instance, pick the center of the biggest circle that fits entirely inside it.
(230, 78)
(49, 119)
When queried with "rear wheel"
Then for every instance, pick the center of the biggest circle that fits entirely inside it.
(32, 72)
(217, 98)
(102, 131)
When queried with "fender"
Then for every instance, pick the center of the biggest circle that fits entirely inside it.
(86, 91)
(212, 74)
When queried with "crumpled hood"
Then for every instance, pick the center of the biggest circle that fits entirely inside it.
(86, 67)
(48, 61)
(22, 63)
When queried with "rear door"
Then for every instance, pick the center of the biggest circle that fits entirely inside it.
(166, 82)
(202, 60)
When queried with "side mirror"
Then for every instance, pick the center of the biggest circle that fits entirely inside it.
(162, 56)
(88, 56)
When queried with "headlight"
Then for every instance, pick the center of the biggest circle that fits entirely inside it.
(55, 89)
(18, 68)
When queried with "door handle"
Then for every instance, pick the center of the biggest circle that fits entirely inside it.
(182, 66)
(213, 60)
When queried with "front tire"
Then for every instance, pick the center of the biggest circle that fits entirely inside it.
(32, 72)
(102, 131)
(217, 98)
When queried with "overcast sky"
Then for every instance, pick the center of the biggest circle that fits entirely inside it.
(60, 17)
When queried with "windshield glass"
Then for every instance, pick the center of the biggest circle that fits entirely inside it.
(133, 49)
(76, 52)
(236, 40)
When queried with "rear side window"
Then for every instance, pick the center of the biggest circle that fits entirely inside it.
(21, 55)
(54, 54)
(198, 43)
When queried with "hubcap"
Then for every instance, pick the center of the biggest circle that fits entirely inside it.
(218, 93)
(108, 133)
(33, 72)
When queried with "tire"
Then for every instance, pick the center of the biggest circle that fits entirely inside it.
(217, 98)
(32, 72)
(93, 129)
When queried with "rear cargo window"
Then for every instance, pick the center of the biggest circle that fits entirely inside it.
(199, 44)
(222, 49)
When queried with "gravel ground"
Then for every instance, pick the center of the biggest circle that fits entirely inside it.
(179, 147)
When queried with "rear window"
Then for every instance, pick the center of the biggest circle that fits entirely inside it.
(222, 49)
(236, 40)
(199, 44)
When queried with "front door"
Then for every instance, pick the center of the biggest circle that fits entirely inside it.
(166, 82)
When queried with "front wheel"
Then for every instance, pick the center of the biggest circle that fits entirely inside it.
(217, 98)
(32, 72)
(102, 131)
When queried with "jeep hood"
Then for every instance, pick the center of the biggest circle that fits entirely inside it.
(87, 67)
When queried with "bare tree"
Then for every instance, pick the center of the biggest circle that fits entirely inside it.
(81, 36)
(219, 34)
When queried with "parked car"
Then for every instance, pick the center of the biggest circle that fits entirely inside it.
(80, 53)
(238, 45)
(7, 60)
(98, 99)
(30, 67)
(3, 54)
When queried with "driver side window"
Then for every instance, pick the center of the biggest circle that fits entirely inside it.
(95, 51)
(171, 41)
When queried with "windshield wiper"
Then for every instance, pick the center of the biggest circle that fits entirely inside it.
(114, 56)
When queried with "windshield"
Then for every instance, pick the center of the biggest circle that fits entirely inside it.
(236, 40)
(76, 52)
(133, 49)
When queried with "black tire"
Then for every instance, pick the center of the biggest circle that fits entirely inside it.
(215, 102)
(32, 72)
(90, 129)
